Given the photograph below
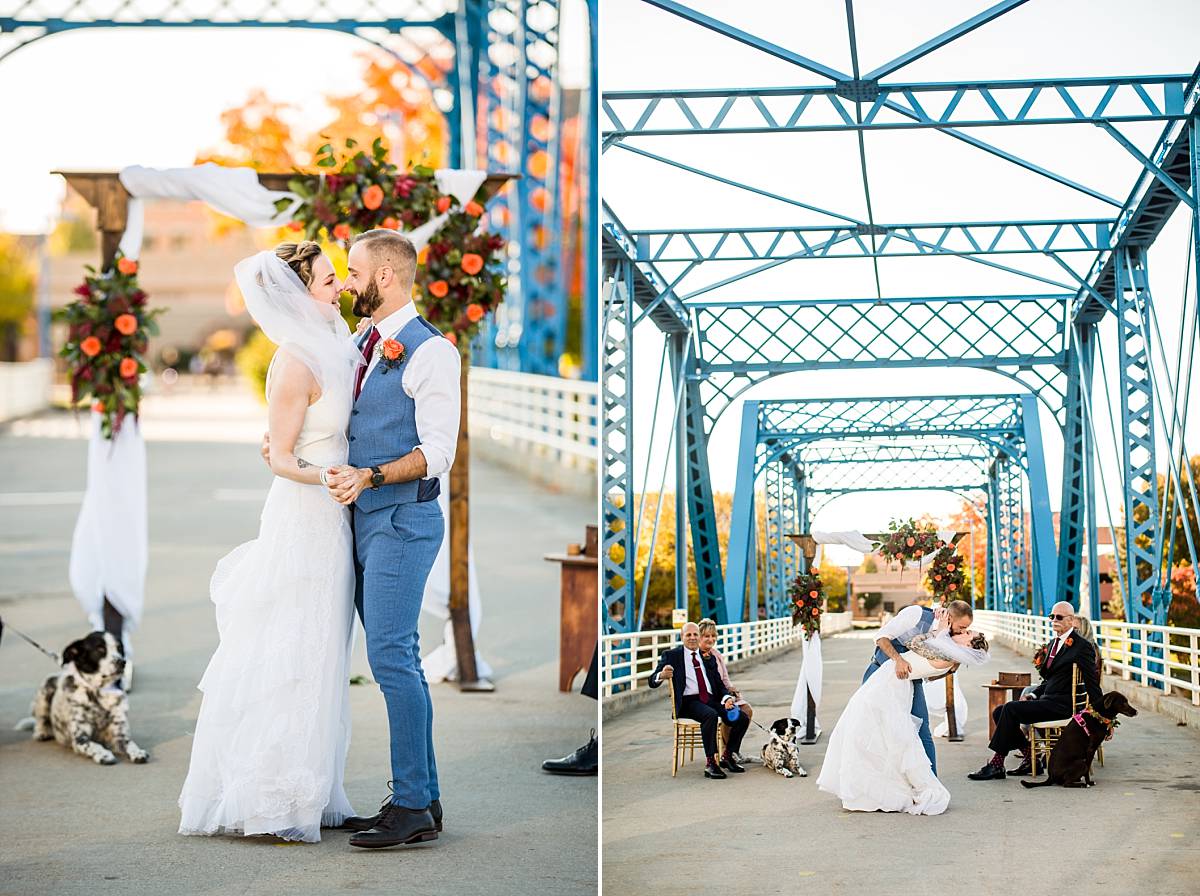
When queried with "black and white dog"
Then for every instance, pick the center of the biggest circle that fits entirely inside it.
(780, 754)
(80, 708)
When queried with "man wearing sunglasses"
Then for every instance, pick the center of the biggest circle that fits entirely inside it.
(1051, 699)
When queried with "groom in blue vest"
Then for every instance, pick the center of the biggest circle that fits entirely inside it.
(403, 433)
(893, 641)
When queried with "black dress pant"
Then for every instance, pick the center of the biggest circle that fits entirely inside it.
(708, 717)
(591, 686)
(1011, 716)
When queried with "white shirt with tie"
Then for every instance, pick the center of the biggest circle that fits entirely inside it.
(690, 687)
(1062, 642)
(431, 380)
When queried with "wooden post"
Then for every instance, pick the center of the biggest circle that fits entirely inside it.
(460, 538)
(951, 718)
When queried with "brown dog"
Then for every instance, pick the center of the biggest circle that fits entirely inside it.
(1071, 759)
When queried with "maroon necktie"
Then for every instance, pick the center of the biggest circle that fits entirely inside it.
(1053, 653)
(699, 678)
(368, 347)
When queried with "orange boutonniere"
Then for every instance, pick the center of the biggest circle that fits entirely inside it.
(391, 354)
(1070, 641)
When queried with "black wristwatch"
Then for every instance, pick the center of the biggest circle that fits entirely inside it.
(376, 477)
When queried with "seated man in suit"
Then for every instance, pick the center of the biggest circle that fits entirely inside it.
(701, 695)
(1051, 699)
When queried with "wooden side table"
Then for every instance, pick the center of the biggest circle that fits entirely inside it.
(1006, 688)
(578, 611)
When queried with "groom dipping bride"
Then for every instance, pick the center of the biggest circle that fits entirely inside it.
(880, 755)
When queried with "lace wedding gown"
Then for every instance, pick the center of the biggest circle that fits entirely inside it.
(270, 747)
(875, 761)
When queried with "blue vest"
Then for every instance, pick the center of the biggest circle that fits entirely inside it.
(383, 424)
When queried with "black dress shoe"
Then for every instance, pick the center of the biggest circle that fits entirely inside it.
(988, 773)
(398, 826)
(1022, 770)
(365, 823)
(584, 761)
(712, 770)
(729, 764)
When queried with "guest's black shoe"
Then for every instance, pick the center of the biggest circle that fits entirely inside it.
(988, 773)
(1023, 770)
(712, 770)
(729, 764)
(584, 761)
(398, 826)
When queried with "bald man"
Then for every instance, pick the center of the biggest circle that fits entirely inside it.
(1051, 699)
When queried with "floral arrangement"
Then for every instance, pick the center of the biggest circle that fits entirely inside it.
(458, 279)
(946, 574)
(806, 594)
(908, 541)
(109, 328)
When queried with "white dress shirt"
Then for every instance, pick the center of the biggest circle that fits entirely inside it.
(905, 621)
(431, 380)
(1062, 642)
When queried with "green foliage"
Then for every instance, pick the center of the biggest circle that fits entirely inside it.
(834, 580)
(253, 359)
(16, 282)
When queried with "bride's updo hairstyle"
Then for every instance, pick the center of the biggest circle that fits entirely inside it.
(979, 642)
(300, 257)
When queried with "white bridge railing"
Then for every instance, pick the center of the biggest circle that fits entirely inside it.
(628, 660)
(544, 417)
(1161, 656)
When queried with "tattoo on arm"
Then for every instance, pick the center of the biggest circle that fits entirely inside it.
(302, 463)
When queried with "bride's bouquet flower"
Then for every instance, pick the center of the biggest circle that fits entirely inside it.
(108, 331)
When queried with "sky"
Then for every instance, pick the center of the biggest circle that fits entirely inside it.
(915, 176)
(105, 98)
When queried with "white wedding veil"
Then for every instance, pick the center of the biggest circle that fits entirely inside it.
(951, 650)
(282, 307)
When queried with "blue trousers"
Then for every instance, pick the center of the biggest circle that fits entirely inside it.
(394, 550)
(919, 709)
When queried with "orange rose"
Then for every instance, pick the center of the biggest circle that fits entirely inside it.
(341, 232)
(127, 266)
(950, 568)
(937, 578)
(953, 587)
(129, 368)
(373, 196)
(474, 312)
(812, 594)
(90, 346)
(392, 349)
(1070, 641)
(439, 288)
(453, 337)
(390, 223)
(443, 204)
(910, 542)
(126, 324)
(474, 209)
(472, 263)
(295, 225)
(98, 407)
(816, 611)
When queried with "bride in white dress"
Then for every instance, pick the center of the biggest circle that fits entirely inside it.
(270, 746)
(875, 760)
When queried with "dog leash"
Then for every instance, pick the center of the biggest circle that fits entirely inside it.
(53, 656)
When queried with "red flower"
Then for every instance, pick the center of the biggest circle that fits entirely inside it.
(472, 263)
(443, 204)
(439, 288)
(90, 346)
(372, 197)
(474, 312)
(392, 350)
(474, 209)
(390, 223)
(127, 266)
(341, 232)
(83, 290)
(126, 324)
(129, 368)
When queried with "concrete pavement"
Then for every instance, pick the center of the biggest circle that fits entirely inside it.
(1135, 832)
(68, 826)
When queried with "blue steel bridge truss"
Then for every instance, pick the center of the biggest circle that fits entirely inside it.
(496, 83)
(698, 287)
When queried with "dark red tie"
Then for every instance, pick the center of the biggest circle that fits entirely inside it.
(368, 347)
(699, 678)
(1053, 653)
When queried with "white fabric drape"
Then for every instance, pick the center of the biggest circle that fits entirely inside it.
(109, 548)
(441, 663)
(809, 680)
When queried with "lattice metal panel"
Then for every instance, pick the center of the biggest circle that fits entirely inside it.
(617, 550)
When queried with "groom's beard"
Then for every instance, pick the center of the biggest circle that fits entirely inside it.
(367, 301)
